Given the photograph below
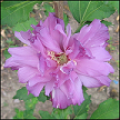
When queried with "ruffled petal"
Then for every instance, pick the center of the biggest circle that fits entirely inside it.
(21, 57)
(100, 54)
(24, 36)
(104, 80)
(48, 41)
(94, 35)
(38, 46)
(49, 86)
(66, 42)
(59, 99)
(93, 67)
(73, 75)
(38, 79)
(90, 82)
(35, 90)
(68, 67)
(68, 88)
(26, 73)
(77, 97)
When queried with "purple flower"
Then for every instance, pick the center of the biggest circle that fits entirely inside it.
(60, 62)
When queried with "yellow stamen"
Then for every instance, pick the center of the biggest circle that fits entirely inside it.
(59, 58)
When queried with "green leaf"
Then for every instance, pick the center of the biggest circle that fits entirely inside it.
(26, 114)
(108, 109)
(45, 115)
(65, 18)
(6, 53)
(9, 4)
(83, 116)
(115, 4)
(22, 94)
(12, 46)
(9, 41)
(83, 108)
(84, 88)
(90, 10)
(48, 9)
(19, 114)
(106, 23)
(62, 113)
(24, 26)
(30, 104)
(13, 12)
(84, 23)
(42, 96)
(81, 111)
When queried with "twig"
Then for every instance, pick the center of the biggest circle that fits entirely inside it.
(59, 9)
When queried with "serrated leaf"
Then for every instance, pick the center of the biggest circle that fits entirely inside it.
(6, 53)
(84, 88)
(30, 104)
(24, 26)
(13, 12)
(22, 94)
(83, 108)
(82, 116)
(62, 113)
(26, 114)
(19, 114)
(48, 9)
(42, 97)
(106, 23)
(45, 115)
(108, 109)
(115, 4)
(90, 10)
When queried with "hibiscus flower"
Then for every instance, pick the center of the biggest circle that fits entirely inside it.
(60, 62)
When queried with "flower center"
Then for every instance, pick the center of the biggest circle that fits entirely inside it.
(60, 58)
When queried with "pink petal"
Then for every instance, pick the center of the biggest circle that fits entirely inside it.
(100, 54)
(21, 57)
(65, 42)
(42, 64)
(24, 36)
(68, 67)
(35, 90)
(94, 35)
(104, 80)
(90, 82)
(26, 73)
(48, 41)
(49, 86)
(38, 79)
(77, 97)
(73, 75)
(93, 67)
(52, 21)
(68, 88)
(59, 28)
(38, 46)
(59, 99)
